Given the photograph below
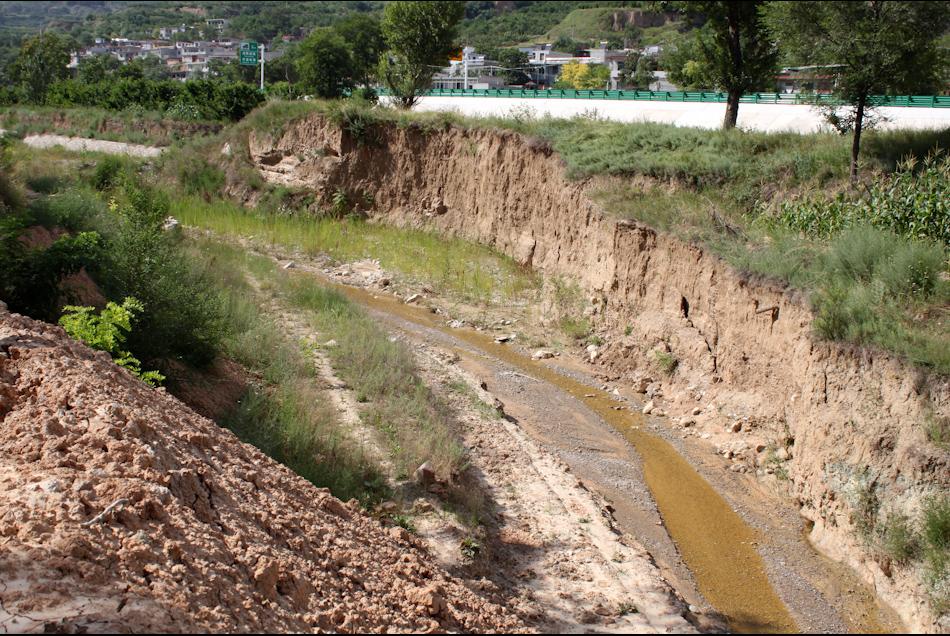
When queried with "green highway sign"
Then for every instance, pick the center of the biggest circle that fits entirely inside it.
(248, 54)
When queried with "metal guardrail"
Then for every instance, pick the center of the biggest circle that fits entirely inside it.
(917, 101)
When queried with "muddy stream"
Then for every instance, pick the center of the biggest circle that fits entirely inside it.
(717, 546)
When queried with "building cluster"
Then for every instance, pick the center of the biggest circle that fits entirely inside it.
(182, 59)
(474, 70)
(544, 65)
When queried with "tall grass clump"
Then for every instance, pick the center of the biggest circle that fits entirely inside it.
(285, 414)
(874, 287)
(383, 375)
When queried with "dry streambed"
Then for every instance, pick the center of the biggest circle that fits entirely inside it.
(557, 405)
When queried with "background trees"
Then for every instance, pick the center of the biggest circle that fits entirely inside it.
(736, 50)
(875, 47)
(364, 35)
(583, 76)
(421, 37)
(326, 64)
(41, 61)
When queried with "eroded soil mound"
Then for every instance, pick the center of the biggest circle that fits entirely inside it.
(123, 510)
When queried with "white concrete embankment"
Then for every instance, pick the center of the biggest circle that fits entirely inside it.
(763, 117)
(80, 144)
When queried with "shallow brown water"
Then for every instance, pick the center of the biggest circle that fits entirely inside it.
(716, 544)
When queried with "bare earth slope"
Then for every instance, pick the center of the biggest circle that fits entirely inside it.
(123, 510)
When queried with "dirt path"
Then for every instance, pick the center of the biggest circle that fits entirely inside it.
(78, 144)
(548, 546)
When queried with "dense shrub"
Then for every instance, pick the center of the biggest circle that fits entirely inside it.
(181, 319)
(30, 276)
(207, 98)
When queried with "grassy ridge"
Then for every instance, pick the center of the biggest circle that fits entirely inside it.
(131, 126)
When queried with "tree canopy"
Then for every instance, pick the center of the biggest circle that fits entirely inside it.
(877, 47)
(326, 64)
(583, 76)
(42, 60)
(421, 36)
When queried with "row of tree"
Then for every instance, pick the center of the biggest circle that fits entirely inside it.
(872, 47)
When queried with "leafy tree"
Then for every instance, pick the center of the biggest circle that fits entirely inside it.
(565, 44)
(583, 76)
(639, 70)
(364, 35)
(874, 47)
(421, 37)
(686, 66)
(737, 49)
(41, 61)
(513, 61)
(326, 64)
(96, 68)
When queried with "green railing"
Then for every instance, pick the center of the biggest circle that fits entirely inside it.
(919, 101)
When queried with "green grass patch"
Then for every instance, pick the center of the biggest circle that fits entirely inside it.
(417, 427)
(286, 416)
(133, 126)
(470, 271)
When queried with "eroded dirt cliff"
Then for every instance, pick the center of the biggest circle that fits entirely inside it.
(123, 510)
(845, 425)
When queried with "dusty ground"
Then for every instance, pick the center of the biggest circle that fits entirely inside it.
(123, 510)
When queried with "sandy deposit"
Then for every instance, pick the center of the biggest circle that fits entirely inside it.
(123, 510)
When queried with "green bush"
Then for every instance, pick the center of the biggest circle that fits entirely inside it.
(198, 176)
(182, 312)
(107, 332)
(30, 277)
(107, 172)
(194, 99)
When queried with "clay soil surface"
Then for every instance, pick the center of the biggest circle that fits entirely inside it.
(123, 510)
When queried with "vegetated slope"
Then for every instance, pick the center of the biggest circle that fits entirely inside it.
(848, 427)
(121, 509)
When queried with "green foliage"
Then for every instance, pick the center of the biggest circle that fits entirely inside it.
(108, 171)
(326, 64)
(875, 47)
(583, 76)
(420, 37)
(30, 277)
(183, 314)
(364, 36)
(192, 100)
(936, 537)
(97, 68)
(913, 202)
(899, 538)
(737, 50)
(199, 176)
(41, 61)
(665, 361)
(107, 332)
